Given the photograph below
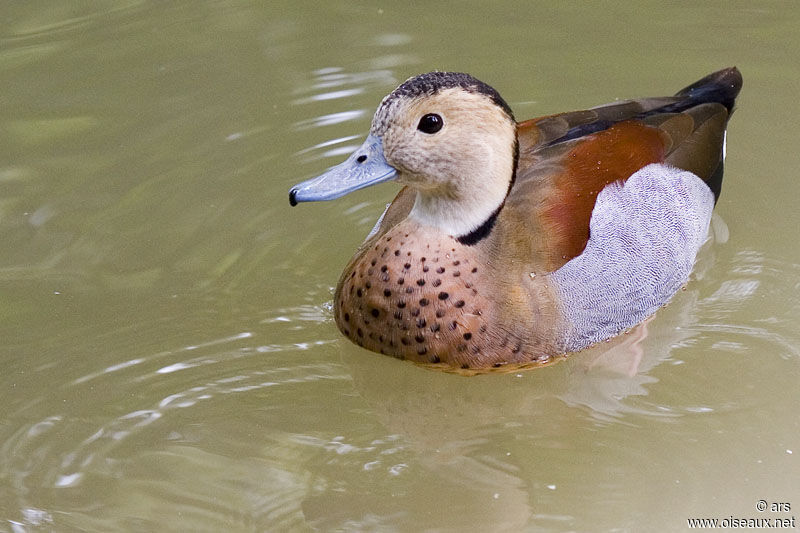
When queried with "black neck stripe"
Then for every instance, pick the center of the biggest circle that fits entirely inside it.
(482, 231)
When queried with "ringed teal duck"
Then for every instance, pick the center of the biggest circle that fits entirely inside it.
(514, 243)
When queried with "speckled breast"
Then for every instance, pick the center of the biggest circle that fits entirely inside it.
(418, 297)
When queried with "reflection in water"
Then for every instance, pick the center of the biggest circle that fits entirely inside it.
(445, 433)
(456, 427)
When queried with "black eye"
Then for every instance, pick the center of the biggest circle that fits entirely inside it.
(430, 123)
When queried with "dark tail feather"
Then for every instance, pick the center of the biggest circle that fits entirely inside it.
(722, 87)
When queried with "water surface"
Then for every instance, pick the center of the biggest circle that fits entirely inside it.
(169, 359)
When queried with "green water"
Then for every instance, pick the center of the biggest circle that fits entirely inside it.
(169, 359)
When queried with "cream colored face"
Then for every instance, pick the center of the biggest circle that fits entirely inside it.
(476, 138)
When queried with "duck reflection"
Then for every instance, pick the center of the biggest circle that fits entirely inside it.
(465, 432)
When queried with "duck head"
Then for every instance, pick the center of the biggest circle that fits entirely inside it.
(449, 136)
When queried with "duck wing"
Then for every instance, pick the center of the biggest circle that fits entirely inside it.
(567, 159)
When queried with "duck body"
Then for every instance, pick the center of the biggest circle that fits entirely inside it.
(515, 243)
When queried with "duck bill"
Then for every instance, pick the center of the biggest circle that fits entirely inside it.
(366, 166)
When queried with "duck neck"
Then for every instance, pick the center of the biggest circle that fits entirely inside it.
(468, 212)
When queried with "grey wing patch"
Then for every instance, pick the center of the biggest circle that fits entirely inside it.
(644, 237)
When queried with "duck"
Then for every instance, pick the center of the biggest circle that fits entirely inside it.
(520, 243)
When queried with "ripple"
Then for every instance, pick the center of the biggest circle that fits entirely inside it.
(323, 150)
(22, 55)
(330, 79)
(302, 313)
(80, 441)
(735, 311)
(392, 39)
(61, 19)
(330, 119)
(51, 454)
(330, 95)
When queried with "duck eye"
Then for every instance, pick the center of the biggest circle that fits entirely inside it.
(430, 123)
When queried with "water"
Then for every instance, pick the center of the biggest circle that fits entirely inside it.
(169, 360)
